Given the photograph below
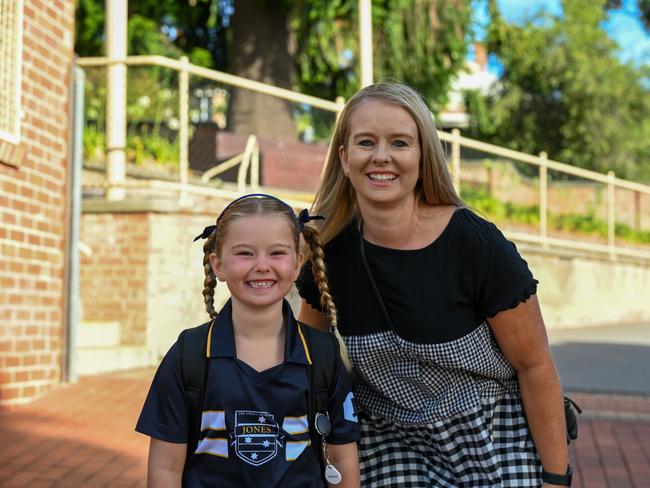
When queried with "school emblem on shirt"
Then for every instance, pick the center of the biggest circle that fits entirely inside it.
(256, 437)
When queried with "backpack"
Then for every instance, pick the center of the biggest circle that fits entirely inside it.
(192, 364)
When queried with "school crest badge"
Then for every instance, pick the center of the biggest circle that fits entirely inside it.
(256, 436)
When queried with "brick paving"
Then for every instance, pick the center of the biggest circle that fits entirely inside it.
(82, 435)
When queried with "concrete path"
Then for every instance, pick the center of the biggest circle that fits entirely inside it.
(82, 435)
(613, 359)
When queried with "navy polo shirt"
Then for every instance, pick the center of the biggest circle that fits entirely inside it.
(254, 428)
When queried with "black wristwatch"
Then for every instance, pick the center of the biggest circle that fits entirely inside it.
(558, 479)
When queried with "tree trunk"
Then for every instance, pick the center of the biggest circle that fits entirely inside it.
(260, 50)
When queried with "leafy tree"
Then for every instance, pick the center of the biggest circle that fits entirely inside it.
(311, 45)
(421, 42)
(564, 91)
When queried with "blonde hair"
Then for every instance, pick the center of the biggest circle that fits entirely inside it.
(269, 205)
(335, 197)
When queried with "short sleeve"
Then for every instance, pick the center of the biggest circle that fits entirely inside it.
(164, 414)
(503, 279)
(307, 287)
(345, 425)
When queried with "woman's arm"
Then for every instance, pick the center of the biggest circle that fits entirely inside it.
(310, 316)
(521, 334)
(345, 458)
(166, 462)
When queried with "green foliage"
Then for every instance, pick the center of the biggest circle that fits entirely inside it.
(163, 27)
(152, 149)
(499, 211)
(420, 42)
(502, 212)
(564, 91)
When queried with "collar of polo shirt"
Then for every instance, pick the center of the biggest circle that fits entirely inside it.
(221, 337)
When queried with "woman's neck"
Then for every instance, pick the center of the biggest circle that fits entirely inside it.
(392, 226)
(409, 225)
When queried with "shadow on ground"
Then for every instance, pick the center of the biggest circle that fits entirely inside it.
(603, 368)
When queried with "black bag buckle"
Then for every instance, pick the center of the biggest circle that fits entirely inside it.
(570, 409)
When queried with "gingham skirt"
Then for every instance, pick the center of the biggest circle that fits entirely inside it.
(440, 415)
(453, 453)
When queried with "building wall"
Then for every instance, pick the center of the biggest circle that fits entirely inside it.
(142, 270)
(577, 291)
(33, 208)
(113, 271)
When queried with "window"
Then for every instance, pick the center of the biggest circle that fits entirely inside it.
(11, 47)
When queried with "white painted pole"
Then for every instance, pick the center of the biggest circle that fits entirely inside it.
(543, 197)
(116, 12)
(183, 132)
(455, 159)
(611, 212)
(365, 41)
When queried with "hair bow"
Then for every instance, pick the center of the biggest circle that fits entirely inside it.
(206, 233)
(304, 217)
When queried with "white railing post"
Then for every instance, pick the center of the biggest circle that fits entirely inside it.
(116, 36)
(611, 213)
(183, 129)
(455, 159)
(365, 41)
(543, 197)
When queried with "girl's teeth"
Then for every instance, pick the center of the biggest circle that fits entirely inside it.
(260, 284)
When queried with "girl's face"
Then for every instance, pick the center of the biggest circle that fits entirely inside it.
(382, 153)
(258, 261)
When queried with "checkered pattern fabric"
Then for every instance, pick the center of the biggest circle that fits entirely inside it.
(440, 415)
(419, 383)
(458, 452)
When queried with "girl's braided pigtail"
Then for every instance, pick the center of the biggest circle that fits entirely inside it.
(210, 279)
(312, 238)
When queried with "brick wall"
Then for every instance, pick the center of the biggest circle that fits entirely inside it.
(33, 208)
(113, 271)
(142, 269)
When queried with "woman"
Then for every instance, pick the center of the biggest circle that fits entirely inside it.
(453, 376)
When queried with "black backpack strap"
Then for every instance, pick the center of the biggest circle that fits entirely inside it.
(193, 367)
(324, 351)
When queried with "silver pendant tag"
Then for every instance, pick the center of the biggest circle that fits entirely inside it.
(332, 474)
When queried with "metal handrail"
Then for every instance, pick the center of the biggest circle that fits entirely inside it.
(250, 157)
(218, 76)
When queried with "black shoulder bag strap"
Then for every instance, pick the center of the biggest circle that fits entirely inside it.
(371, 278)
(324, 351)
(193, 367)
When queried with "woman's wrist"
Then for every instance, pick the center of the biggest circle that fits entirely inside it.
(560, 479)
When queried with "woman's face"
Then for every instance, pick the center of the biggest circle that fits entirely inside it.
(382, 153)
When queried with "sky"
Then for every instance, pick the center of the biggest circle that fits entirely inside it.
(623, 25)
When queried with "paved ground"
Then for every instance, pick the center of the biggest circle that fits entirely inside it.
(82, 435)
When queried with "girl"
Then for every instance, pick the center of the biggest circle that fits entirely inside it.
(454, 380)
(254, 421)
